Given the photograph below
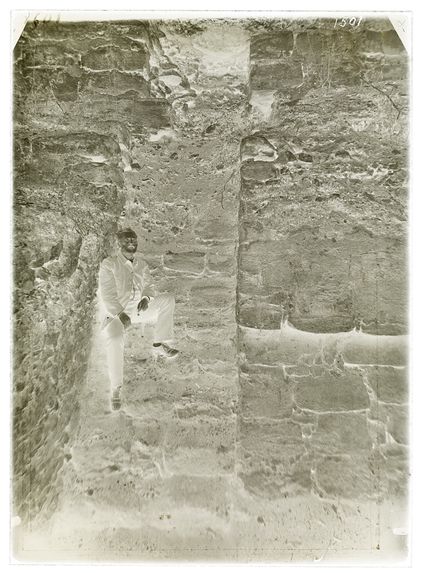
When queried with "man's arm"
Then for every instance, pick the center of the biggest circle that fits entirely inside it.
(148, 289)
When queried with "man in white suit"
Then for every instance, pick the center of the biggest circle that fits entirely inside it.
(129, 296)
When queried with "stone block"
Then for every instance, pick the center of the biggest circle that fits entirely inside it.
(380, 293)
(266, 437)
(257, 314)
(48, 53)
(93, 206)
(125, 34)
(273, 75)
(39, 30)
(393, 470)
(258, 148)
(259, 172)
(188, 262)
(394, 420)
(372, 349)
(212, 292)
(197, 318)
(340, 433)
(210, 395)
(284, 346)
(120, 492)
(265, 392)
(371, 41)
(115, 82)
(348, 477)
(111, 57)
(189, 491)
(209, 347)
(201, 461)
(389, 384)
(66, 87)
(331, 284)
(271, 45)
(394, 69)
(201, 431)
(251, 257)
(278, 480)
(95, 174)
(222, 259)
(149, 431)
(249, 284)
(217, 228)
(311, 44)
(324, 323)
(273, 457)
(58, 150)
(139, 114)
(279, 267)
(330, 392)
(398, 423)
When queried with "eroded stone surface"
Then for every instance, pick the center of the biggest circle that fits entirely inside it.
(70, 156)
(350, 477)
(274, 459)
(340, 432)
(325, 194)
(265, 391)
(389, 383)
(331, 391)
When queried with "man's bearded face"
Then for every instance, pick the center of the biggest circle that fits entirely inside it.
(128, 244)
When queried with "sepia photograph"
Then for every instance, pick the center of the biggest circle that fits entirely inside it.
(210, 287)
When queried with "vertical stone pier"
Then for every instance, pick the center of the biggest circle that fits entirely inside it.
(322, 277)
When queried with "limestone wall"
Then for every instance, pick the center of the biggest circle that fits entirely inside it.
(322, 252)
(263, 165)
(79, 97)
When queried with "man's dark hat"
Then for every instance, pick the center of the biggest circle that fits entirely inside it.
(126, 232)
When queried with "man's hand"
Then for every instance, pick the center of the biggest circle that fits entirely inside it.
(143, 304)
(125, 320)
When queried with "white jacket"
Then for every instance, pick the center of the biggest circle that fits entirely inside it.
(119, 280)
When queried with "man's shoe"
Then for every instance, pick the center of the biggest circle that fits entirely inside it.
(116, 400)
(165, 350)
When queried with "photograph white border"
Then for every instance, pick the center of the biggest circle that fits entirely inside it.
(415, 226)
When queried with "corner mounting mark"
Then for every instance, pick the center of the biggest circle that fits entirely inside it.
(402, 25)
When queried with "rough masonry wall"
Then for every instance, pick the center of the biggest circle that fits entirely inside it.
(166, 461)
(263, 166)
(182, 199)
(79, 95)
(322, 252)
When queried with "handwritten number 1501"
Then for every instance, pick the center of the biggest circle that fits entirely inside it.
(347, 22)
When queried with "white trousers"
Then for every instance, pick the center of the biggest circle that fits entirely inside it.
(160, 311)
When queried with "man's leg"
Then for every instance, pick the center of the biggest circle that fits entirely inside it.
(114, 349)
(163, 306)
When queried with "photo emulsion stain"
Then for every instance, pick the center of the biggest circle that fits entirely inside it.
(210, 291)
